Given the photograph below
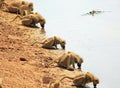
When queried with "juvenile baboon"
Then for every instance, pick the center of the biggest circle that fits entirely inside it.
(68, 61)
(52, 42)
(83, 79)
(31, 20)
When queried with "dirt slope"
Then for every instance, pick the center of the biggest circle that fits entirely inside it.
(23, 63)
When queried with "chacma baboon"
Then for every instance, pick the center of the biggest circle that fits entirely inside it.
(52, 42)
(68, 59)
(26, 9)
(83, 79)
(31, 20)
(14, 6)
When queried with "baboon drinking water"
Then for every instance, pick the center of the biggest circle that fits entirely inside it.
(82, 79)
(69, 59)
(52, 42)
(31, 20)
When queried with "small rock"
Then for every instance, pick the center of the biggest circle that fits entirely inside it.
(23, 59)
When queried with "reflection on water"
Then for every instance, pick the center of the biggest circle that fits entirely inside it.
(96, 39)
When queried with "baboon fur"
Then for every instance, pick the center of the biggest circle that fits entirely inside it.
(83, 79)
(26, 9)
(31, 20)
(70, 58)
(52, 42)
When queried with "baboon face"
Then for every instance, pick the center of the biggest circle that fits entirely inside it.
(95, 82)
(63, 44)
(42, 23)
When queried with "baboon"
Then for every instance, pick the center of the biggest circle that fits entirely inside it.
(52, 42)
(68, 59)
(14, 7)
(82, 79)
(25, 9)
(31, 20)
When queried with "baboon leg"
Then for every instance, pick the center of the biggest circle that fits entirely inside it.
(27, 22)
(68, 62)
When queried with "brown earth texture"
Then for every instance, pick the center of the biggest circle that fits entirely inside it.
(23, 62)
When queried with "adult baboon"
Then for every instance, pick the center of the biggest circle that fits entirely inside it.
(83, 79)
(31, 20)
(52, 42)
(68, 61)
(70, 58)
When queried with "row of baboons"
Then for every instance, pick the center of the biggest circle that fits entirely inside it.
(67, 60)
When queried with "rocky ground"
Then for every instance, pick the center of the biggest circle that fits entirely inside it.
(23, 63)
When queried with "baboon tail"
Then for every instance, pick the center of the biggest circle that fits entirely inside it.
(66, 77)
(18, 16)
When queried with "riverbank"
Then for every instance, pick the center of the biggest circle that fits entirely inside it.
(23, 63)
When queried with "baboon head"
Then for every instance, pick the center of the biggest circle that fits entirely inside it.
(78, 60)
(63, 42)
(42, 23)
(95, 82)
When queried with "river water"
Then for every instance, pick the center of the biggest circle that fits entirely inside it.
(95, 38)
